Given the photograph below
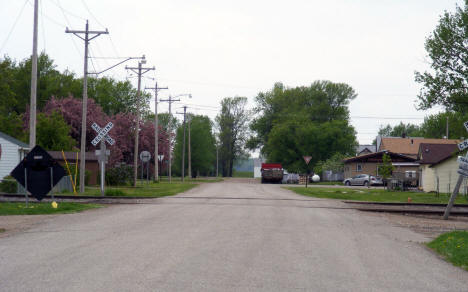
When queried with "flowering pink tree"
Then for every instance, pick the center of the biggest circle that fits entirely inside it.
(122, 132)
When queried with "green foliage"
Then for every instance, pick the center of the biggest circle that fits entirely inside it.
(114, 193)
(232, 126)
(294, 122)
(8, 185)
(7, 208)
(334, 163)
(410, 130)
(386, 169)
(203, 149)
(453, 246)
(434, 126)
(242, 173)
(373, 195)
(120, 175)
(446, 83)
(53, 133)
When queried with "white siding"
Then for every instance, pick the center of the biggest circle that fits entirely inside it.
(447, 173)
(10, 157)
(428, 178)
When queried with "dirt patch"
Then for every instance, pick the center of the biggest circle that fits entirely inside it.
(429, 225)
(13, 224)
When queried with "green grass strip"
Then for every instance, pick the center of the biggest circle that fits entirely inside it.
(453, 246)
(8, 208)
(374, 195)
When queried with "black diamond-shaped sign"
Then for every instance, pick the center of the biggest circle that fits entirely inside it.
(37, 166)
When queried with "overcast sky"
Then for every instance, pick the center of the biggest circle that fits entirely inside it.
(214, 48)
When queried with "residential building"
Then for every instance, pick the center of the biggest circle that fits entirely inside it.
(438, 167)
(365, 149)
(370, 163)
(11, 153)
(408, 146)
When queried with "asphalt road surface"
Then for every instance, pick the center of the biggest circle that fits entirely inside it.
(228, 236)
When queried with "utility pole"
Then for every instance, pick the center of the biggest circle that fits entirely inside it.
(446, 128)
(189, 150)
(170, 100)
(32, 109)
(183, 147)
(86, 40)
(139, 71)
(217, 163)
(156, 130)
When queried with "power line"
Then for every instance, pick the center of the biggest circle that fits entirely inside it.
(387, 118)
(14, 25)
(57, 3)
(68, 22)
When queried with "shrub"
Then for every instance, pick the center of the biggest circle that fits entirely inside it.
(8, 185)
(119, 176)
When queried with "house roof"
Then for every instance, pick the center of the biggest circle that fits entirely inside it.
(13, 140)
(409, 145)
(377, 157)
(370, 147)
(435, 153)
(71, 156)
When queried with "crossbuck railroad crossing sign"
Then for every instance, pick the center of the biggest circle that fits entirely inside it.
(102, 133)
(462, 171)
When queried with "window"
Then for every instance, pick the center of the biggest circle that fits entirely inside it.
(358, 167)
(410, 174)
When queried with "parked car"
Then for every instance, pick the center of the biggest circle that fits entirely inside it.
(363, 180)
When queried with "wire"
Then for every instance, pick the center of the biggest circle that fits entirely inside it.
(68, 22)
(57, 3)
(13, 27)
(92, 15)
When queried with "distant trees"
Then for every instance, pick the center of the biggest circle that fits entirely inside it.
(447, 82)
(202, 146)
(232, 123)
(53, 132)
(308, 120)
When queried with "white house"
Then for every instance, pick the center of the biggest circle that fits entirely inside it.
(258, 166)
(438, 167)
(11, 153)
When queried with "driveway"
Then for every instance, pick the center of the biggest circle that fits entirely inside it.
(228, 236)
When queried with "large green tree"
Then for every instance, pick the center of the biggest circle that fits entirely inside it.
(401, 129)
(203, 149)
(53, 133)
(232, 123)
(434, 126)
(308, 120)
(447, 47)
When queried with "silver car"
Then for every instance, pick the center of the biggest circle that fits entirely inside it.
(363, 180)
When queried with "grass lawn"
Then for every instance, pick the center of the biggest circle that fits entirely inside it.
(374, 195)
(453, 246)
(243, 174)
(328, 183)
(151, 189)
(34, 208)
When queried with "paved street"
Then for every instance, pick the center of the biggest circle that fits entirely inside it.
(228, 236)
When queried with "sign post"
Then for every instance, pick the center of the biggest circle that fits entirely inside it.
(145, 157)
(307, 160)
(463, 173)
(102, 154)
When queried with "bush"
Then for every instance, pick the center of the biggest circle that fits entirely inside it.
(8, 185)
(119, 176)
